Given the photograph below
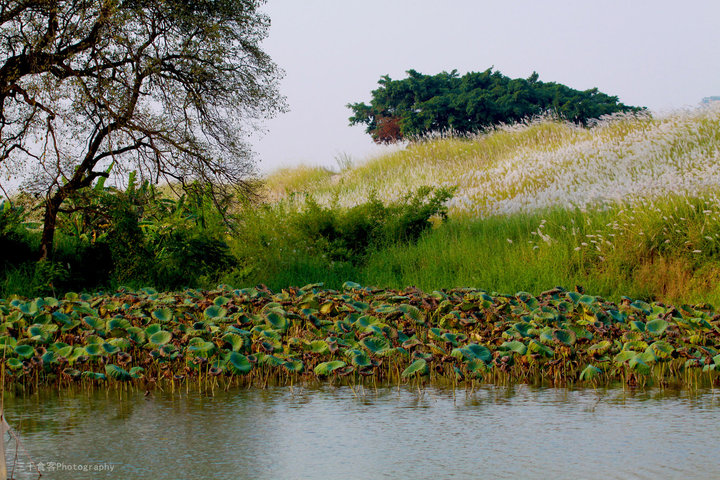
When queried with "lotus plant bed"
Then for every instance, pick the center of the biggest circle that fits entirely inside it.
(224, 337)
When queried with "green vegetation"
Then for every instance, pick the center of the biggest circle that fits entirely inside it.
(208, 339)
(92, 89)
(636, 217)
(422, 104)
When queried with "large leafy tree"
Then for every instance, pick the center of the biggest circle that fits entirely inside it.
(420, 104)
(169, 88)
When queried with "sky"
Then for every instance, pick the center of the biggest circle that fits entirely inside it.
(659, 54)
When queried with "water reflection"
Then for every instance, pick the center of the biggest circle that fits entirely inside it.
(339, 432)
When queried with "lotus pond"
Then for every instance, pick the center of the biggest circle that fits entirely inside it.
(329, 432)
(358, 336)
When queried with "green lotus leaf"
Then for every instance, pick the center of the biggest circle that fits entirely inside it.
(152, 329)
(589, 372)
(277, 321)
(514, 346)
(637, 326)
(65, 351)
(94, 375)
(137, 372)
(639, 365)
(121, 343)
(318, 346)
(24, 351)
(14, 363)
(238, 364)
(546, 336)
(235, 341)
(616, 316)
(600, 348)
(657, 327)
(7, 342)
(632, 336)
(162, 315)
(716, 359)
(476, 367)
(93, 323)
(536, 347)
(360, 360)
(624, 356)
(41, 333)
(108, 348)
(94, 349)
(418, 367)
(76, 353)
(117, 373)
(566, 337)
(413, 313)
(215, 312)
(635, 345)
(137, 335)
(473, 352)
(118, 326)
(51, 302)
(294, 366)
(271, 361)
(220, 301)
(71, 325)
(202, 349)
(376, 345)
(523, 329)
(453, 338)
(661, 350)
(326, 368)
(159, 338)
(641, 306)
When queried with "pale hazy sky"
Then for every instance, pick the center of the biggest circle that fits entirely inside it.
(660, 54)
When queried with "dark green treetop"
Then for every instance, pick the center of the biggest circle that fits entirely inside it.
(420, 104)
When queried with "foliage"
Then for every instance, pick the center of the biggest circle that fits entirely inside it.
(14, 242)
(458, 336)
(421, 104)
(166, 88)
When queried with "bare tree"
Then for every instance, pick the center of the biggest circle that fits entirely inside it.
(170, 88)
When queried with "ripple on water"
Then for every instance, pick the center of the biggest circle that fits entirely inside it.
(328, 432)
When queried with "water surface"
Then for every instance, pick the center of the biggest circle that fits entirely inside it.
(337, 432)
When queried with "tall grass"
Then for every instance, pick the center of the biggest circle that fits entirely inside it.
(545, 163)
(626, 207)
(620, 251)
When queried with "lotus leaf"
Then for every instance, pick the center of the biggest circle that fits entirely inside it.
(202, 349)
(326, 368)
(13, 363)
(657, 327)
(375, 345)
(159, 338)
(277, 321)
(215, 312)
(515, 346)
(24, 351)
(536, 347)
(600, 348)
(418, 367)
(162, 315)
(117, 373)
(293, 366)
(661, 350)
(589, 373)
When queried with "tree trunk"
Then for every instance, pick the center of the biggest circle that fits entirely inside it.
(49, 222)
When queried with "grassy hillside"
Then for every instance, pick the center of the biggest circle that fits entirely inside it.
(628, 207)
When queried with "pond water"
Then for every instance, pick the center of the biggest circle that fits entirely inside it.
(344, 433)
